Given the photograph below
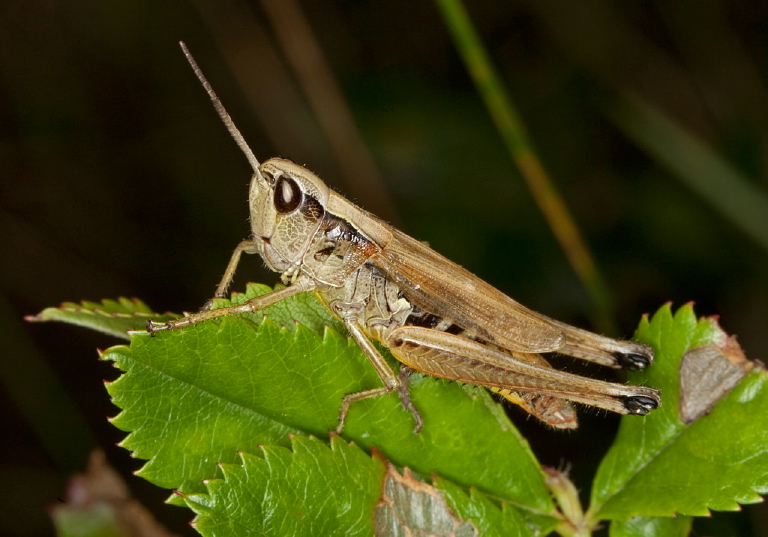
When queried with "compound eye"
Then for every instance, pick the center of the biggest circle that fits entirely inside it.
(288, 195)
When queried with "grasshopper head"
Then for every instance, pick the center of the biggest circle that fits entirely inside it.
(287, 205)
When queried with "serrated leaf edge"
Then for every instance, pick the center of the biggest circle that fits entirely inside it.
(683, 315)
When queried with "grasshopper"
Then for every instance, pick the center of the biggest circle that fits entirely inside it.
(433, 315)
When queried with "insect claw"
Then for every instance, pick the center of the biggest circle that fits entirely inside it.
(640, 405)
(632, 361)
(208, 305)
(340, 427)
(153, 327)
(419, 424)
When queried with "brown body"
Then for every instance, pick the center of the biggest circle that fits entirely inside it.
(432, 314)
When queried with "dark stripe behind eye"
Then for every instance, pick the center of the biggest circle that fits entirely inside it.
(312, 209)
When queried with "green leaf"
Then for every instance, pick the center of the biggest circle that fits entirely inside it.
(196, 397)
(113, 317)
(652, 527)
(488, 517)
(661, 465)
(310, 489)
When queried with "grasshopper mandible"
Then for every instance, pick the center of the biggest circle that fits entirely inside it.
(433, 315)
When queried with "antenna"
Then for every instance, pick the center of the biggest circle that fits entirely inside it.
(233, 130)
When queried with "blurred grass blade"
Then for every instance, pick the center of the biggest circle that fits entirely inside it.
(514, 134)
(697, 165)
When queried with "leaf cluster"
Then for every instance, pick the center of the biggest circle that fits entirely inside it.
(233, 414)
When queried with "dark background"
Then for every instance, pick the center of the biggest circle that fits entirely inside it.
(117, 179)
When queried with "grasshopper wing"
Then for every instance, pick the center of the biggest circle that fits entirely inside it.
(441, 287)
